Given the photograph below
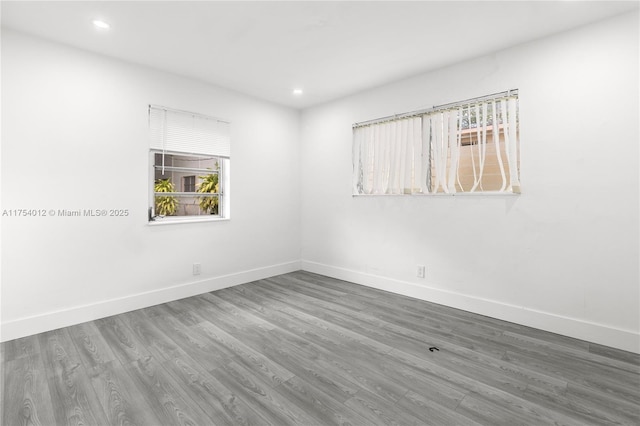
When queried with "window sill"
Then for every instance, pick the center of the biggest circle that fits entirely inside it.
(445, 194)
(181, 220)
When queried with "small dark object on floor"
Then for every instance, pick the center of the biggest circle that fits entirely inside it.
(432, 348)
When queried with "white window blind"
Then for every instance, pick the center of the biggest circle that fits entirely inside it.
(471, 146)
(186, 132)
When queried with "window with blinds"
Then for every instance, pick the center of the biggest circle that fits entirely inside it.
(189, 156)
(466, 147)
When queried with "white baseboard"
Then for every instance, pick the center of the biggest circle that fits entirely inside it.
(53, 320)
(627, 340)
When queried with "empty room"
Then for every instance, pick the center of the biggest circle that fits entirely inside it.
(320, 213)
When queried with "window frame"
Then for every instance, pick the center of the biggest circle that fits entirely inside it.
(222, 194)
(189, 181)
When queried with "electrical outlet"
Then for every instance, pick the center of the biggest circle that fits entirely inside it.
(196, 269)
(420, 271)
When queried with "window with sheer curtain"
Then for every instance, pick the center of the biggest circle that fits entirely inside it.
(469, 147)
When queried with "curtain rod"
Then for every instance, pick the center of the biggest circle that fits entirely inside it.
(451, 105)
(195, 114)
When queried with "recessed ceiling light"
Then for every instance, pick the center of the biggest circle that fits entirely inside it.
(297, 92)
(101, 24)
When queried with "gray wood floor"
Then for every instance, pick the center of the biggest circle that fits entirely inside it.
(304, 349)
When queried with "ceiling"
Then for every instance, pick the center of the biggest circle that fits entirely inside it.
(330, 49)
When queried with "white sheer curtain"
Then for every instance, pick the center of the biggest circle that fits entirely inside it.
(426, 153)
(443, 132)
(500, 118)
(481, 137)
(388, 157)
(513, 144)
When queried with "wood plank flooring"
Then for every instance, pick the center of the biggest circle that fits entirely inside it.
(303, 349)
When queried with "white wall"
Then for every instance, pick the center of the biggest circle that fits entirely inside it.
(563, 256)
(74, 136)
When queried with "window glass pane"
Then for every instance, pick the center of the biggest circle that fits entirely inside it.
(188, 161)
(209, 184)
(158, 170)
(176, 205)
(184, 174)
